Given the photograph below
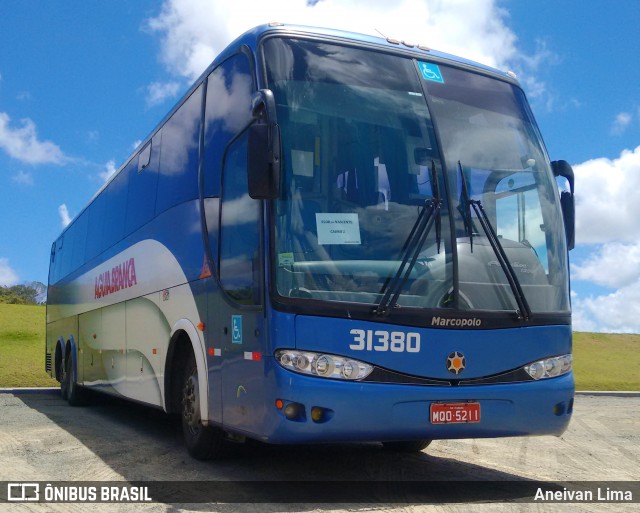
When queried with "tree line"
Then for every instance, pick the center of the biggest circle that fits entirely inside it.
(34, 293)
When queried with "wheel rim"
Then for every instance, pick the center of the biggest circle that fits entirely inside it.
(191, 404)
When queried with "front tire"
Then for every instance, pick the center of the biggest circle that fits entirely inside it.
(203, 442)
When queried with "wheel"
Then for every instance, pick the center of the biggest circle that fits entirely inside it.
(64, 378)
(71, 391)
(203, 442)
(407, 445)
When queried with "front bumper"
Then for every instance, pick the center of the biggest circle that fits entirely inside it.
(377, 412)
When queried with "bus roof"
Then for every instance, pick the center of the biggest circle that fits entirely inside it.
(252, 37)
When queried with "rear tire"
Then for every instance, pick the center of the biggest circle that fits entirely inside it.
(71, 391)
(64, 378)
(407, 446)
(203, 442)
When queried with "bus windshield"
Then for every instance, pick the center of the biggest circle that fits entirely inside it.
(370, 141)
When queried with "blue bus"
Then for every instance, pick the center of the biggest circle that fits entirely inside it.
(332, 237)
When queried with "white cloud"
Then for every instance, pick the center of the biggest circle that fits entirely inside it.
(158, 92)
(109, 169)
(22, 178)
(65, 218)
(22, 143)
(615, 312)
(607, 213)
(194, 31)
(620, 124)
(612, 265)
(608, 199)
(8, 277)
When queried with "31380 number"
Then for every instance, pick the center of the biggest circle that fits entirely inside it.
(379, 340)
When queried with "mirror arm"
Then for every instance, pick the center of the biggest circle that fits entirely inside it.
(563, 168)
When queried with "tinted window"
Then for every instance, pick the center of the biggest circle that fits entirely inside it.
(65, 248)
(239, 238)
(79, 241)
(144, 157)
(228, 111)
(143, 184)
(95, 241)
(178, 178)
(116, 207)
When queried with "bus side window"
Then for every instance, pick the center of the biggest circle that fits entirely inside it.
(239, 229)
(116, 207)
(65, 247)
(178, 173)
(57, 259)
(79, 241)
(97, 214)
(228, 111)
(143, 185)
(52, 264)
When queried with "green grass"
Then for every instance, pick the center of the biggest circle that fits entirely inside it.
(606, 361)
(22, 339)
(602, 361)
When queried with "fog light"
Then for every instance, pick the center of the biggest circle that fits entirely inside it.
(321, 415)
(294, 411)
(316, 414)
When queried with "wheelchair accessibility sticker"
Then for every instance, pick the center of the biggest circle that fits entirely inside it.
(236, 329)
(431, 72)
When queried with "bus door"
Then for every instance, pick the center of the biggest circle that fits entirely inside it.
(236, 312)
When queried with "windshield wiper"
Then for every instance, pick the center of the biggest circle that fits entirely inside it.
(429, 214)
(524, 311)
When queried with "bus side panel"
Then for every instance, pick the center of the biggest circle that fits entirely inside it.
(113, 344)
(147, 341)
(93, 368)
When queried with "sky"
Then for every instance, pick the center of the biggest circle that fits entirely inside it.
(82, 82)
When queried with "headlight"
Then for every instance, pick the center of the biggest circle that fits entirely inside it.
(323, 365)
(550, 367)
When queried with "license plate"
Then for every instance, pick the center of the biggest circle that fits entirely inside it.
(454, 413)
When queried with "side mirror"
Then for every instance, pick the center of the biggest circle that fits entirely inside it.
(567, 204)
(263, 161)
(263, 148)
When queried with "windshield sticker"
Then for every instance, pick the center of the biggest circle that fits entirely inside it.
(338, 228)
(285, 259)
(302, 162)
(431, 72)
